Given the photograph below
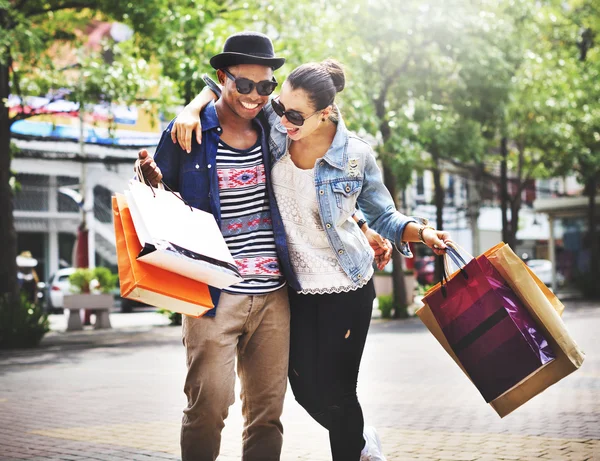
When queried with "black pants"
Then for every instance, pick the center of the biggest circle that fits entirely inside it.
(328, 334)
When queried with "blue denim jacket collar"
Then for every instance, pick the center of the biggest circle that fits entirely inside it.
(338, 145)
(209, 117)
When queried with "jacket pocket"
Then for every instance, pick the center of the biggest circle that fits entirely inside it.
(346, 192)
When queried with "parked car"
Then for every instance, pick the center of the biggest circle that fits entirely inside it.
(425, 268)
(57, 286)
(543, 269)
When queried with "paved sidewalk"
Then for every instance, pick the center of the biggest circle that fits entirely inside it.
(116, 395)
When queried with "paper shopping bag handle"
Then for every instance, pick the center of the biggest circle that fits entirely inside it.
(141, 178)
(453, 254)
(161, 185)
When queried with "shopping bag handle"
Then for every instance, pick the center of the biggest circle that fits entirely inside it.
(444, 277)
(161, 185)
(141, 178)
(177, 195)
(456, 257)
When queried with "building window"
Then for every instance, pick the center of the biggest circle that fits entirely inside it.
(65, 203)
(33, 193)
(102, 204)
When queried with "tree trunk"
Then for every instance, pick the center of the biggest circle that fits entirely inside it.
(439, 210)
(515, 208)
(474, 203)
(591, 189)
(398, 285)
(8, 235)
(504, 189)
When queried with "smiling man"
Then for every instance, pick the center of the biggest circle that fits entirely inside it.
(227, 175)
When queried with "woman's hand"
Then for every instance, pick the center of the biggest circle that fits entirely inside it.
(184, 127)
(436, 240)
(188, 121)
(382, 247)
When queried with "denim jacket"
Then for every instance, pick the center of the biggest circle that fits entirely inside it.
(345, 177)
(194, 176)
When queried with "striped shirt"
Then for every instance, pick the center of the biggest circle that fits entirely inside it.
(246, 219)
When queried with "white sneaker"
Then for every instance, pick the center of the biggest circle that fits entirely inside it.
(372, 449)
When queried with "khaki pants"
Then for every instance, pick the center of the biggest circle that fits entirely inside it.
(256, 329)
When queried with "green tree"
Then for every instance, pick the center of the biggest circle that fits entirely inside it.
(33, 34)
(407, 54)
(573, 28)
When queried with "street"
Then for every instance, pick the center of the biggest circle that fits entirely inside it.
(117, 395)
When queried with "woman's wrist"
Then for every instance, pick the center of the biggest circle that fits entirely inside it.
(413, 232)
(423, 230)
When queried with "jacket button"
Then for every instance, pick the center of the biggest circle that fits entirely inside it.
(359, 276)
(209, 165)
(341, 252)
(328, 226)
(321, 192)
(347, 188)
(197, 166)
(322, 162)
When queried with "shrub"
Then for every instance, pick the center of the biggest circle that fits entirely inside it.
(107, 281)
(386, 306)
(81, 280)
(422, 289)
(23, 325)
(174, 317)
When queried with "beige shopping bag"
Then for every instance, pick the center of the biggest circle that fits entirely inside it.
(545, 308)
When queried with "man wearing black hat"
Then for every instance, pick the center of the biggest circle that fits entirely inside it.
(227, 174)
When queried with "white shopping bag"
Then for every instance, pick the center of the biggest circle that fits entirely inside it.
(179, 238)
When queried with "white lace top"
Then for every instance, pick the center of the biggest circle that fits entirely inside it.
(312, 258)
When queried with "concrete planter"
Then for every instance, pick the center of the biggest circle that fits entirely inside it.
(101, 304)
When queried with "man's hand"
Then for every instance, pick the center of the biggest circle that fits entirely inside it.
(381, 246)
(184, 127)
(150, 169)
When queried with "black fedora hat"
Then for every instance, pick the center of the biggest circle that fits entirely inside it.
(247, 48)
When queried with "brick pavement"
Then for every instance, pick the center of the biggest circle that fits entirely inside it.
(117, 396)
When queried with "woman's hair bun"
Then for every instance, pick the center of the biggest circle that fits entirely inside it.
(336, 72)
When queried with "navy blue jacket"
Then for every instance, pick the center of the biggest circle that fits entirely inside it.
(194, 176)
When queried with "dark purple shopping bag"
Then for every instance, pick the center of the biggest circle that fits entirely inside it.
(490, 331)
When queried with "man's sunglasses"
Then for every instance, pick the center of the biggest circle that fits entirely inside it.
(294, 117)
(245, 85)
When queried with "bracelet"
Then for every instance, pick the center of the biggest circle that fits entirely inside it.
(421, 229)
(360, 223)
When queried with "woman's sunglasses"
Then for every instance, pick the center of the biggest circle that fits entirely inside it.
(245, 85)
(294, 117)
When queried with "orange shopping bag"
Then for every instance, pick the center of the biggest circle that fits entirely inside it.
(149, 284)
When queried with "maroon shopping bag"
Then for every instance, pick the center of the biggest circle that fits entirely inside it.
(493, 335)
